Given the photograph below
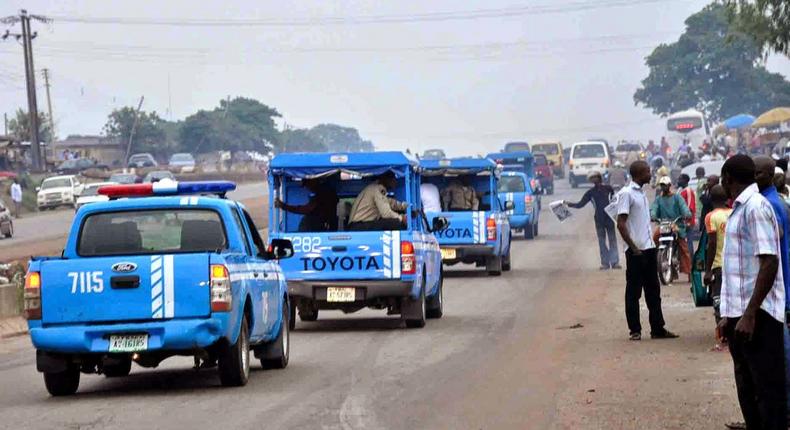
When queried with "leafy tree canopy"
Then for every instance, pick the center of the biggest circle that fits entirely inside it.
(149, 134)
(19, 126)
(767, 21)
(712, 69)
(337, 138)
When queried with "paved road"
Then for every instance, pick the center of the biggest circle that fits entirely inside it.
(358, 371)
(53, 224)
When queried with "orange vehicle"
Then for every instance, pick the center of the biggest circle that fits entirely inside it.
(553, 152)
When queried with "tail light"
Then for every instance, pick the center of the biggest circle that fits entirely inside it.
(528, 201)
(221, 297)
(408, 265)
(32, 296)
(491, 229)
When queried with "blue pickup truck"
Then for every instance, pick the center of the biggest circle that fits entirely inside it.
(476, 235)
(516, 187)
(160, 270)
(336, 267)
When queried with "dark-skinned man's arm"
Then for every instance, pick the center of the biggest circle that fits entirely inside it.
(622, 227)
(710, 255)
(769, 266)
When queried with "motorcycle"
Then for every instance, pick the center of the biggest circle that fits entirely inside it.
(668, 251)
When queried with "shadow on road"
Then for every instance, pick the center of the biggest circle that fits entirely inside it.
(470, 273)
(350, 325)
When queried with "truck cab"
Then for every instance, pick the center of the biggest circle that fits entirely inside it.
(478, 234)
(159, 270)
(517, 188)
(337, 268)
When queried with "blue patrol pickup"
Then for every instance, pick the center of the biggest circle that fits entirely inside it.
(517, 188)
(159, 270)
(337, 268)
(478, 235)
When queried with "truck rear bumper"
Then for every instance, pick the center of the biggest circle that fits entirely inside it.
(171, 335)
(469, 253)
(364, 290)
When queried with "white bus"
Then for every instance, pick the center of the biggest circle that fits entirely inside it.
(687, 125)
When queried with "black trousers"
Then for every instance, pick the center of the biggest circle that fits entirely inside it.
(641, 273)
(760, 373)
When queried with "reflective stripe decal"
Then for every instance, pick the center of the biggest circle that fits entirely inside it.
(162, 287)
(170, 301)
(396, 254)
(156, 286)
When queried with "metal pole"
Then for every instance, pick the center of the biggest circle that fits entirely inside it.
(51, 118)
(31, 92)
(131, 133)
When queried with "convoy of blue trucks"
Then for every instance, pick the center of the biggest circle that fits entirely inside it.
(178, 269)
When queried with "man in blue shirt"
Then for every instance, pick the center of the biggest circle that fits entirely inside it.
(764, 177)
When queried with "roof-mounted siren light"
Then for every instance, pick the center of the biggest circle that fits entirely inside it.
(167, 188)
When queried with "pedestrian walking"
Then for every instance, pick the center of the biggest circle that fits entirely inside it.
(600, 195)
(715, 225)
(753, 299)
(16, 197)
(690, 197)
(633, 223)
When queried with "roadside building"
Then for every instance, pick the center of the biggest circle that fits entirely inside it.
(105, 150)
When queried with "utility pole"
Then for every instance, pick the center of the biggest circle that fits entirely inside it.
(5, 124)
(49, 109)
(27, 37)
(131, 133)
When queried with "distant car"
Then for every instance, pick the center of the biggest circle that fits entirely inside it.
(586, 157)
(77, 166)
(553, 151)
(124, 178)
(516, 147)
(58, 191)
(157, 176)
(90, 194)
(433, 154)
(544, 172)
(142, 160)
(627, 153)
(6, 222)
(182, 163)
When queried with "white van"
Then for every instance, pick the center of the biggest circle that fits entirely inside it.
(586, 157)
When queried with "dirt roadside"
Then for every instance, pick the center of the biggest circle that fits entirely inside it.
(258, 208)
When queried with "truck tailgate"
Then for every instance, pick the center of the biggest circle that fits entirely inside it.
(465, 228)
(135, 288)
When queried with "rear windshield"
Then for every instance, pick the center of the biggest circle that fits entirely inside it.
(151, 232)
(626, 147)
(516, 147)
(589, 151)
(540, 160)
(546, 148)
(511, 184)
(55, 183)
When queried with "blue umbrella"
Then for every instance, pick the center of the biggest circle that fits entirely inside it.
(739, 121)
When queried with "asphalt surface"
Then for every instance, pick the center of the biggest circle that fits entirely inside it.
(53, 224)
(357, 371)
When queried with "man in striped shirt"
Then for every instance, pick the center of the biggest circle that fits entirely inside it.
(753, 299)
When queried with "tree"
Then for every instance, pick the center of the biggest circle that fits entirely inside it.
(767, 21)
(239, 125)
(299, 140)
(149, 135)
(337, 138)
(705, 70)
(19, 126)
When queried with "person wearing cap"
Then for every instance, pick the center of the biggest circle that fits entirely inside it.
(373, 210)
(670, 206)
(600, 195)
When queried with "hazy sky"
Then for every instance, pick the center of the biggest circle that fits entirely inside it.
(530, 70)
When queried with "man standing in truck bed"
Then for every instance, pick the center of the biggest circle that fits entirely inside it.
(373, 210)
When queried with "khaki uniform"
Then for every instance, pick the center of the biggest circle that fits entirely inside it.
(373, 204)
(459, 197)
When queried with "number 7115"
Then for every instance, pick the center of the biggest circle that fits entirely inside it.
(86, 282)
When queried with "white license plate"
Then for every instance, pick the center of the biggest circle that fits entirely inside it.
(448, 253)
(335, 294)
(128, 342)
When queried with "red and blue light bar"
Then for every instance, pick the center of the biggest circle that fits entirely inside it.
(167, 188)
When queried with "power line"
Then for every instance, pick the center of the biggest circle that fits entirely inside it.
(366, 19)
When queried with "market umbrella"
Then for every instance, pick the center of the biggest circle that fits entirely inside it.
(739, 121)
(772, 118)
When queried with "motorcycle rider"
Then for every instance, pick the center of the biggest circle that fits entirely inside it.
(670, 206)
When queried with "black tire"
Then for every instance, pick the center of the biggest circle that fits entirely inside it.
(275, 354)
(494, 265)
(10, 233)
(413, 311)
(308, 312)
(529, 232)
(435, 305)
(291, 314)
(537, 228)
(62, 383)
(506, 261)
(234, 360)
(664, 267)
(121, 369)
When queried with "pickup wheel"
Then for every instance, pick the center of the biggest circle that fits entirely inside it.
(274, 355)
(308, 312)
(291, 314)
(494, 265)
(435, 305)
(123, 368)
(506, 261)
(413, 310)
(62, 383)
(234, 360)
(529, 231)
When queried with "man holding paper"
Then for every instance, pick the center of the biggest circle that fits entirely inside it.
(600, 196)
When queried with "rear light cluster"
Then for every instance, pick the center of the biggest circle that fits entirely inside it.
(528, 201)
(408, 264)
(221, 297)
(32, 296)
(491, 229)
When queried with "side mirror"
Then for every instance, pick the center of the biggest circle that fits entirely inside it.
(509, 205)
(439, 223)
(280, 249)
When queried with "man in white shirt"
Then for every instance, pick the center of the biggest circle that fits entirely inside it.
(633, 223)
(429, 194)
(16, 196)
